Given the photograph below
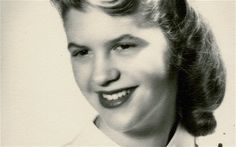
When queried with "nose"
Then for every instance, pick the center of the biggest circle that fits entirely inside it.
(104, 73)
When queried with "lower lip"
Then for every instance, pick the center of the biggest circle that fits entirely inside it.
(115, 103)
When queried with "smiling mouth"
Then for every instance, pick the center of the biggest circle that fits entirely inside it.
(115, 98)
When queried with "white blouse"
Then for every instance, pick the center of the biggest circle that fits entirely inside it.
(92, 136)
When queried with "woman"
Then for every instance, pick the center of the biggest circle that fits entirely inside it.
(151, 69)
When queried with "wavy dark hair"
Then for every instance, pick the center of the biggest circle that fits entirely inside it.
(194, 54)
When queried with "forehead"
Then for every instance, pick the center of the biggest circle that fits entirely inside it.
(94, 25)
(94, 21)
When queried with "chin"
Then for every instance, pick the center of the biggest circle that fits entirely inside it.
(121, 125)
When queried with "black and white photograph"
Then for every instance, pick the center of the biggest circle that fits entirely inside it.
(117, 73)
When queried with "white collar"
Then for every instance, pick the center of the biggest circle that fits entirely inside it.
(92, 136)
(181, 138)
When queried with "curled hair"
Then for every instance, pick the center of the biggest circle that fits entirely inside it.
(111, 7)
(194, 55)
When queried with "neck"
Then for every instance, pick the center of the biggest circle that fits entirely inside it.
(157, 137)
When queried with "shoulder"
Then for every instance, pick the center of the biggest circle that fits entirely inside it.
(90, 135)
(182, 138)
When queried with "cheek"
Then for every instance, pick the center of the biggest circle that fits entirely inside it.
(147, 63)
(82, 75)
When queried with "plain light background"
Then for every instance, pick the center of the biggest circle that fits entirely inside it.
(40, 102)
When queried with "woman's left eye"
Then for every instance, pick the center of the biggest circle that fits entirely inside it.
(122, 47)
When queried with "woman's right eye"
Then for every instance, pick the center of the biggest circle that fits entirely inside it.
(81, 53)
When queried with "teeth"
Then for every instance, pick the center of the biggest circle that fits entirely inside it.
(109, 97)
(120, 94)
(114, 97)
(117, 95)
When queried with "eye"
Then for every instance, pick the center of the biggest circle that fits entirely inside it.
(122, 47)
(81, 53)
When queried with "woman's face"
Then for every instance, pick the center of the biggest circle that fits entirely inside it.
(122, 69)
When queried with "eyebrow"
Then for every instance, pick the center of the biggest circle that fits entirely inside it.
(125, 37)
(72, 44)
(112, 41)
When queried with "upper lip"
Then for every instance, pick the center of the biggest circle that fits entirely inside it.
(115, 91)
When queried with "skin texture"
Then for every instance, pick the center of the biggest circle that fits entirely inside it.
(139, 58)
